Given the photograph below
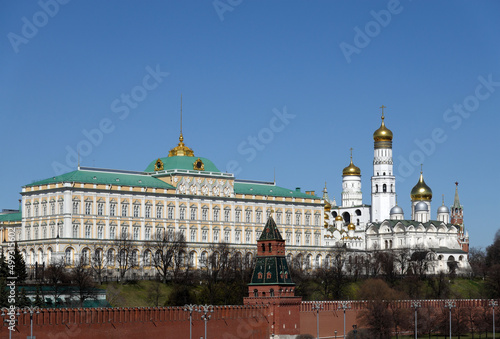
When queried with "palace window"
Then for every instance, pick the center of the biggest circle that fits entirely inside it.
(237, 236)
(308, 239)
(124, 210)
(35, 232)
(193, 213)
(76, 207)
(28, 211)
(216, 214)
(237, 216)
(112, 209)
(75, 231)
(44, 209)
(216, 235)
(248, 216)
(136, 233)
(226, 236)
(316, 220)
(67, 256)
(147, 233)
(297, 239)
(259, 216)
(111, 257)
(297, 218)
(288, 237)
(308, 219)
(204, 213)
(52, 231)
(248, 236)
(316, 239)
(136, 211)
(226, 215)
(193, 235)
(88, 208)
(27, 234)
(182, 212)
(100, 231)
(44, 232)
(204, 235)
(112, 232)
(36, 210)
(148, 211)
(257, 234)
(88, 230)
(61, 208)
(278, 217)
(288, 218)
(100, 208)
(52, 208)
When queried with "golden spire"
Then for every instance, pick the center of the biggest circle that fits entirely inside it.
(181, 149)
(351, 169)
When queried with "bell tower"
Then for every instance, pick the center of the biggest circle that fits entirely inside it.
(383, 179)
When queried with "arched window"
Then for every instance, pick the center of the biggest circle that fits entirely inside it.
(376, 188)
(270, 247)
(384, 188)
(347, 217)
(255, 293)
(271, 292)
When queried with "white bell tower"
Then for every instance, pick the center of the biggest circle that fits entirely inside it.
(383, 179)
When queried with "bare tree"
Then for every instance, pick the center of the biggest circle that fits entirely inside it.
(419, 262)
(81, 277)
(402, 258)
(167, 252)
(124, 259)
(98, 262)
(57, 276)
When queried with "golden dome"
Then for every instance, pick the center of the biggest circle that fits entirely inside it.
(421, 191)
(339, 218)
(181, 150)
(351, 169)
(383, 133)
(351, 227)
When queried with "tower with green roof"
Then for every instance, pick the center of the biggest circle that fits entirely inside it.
(272, 282)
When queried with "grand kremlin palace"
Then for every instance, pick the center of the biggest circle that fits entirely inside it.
(69, 215)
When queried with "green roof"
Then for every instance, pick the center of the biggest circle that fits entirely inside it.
(11, 217)
(270, 190)
(270, 231)
(271, 270)
(183, 163)
(106, 178)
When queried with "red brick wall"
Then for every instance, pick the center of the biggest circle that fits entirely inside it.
(227, 322)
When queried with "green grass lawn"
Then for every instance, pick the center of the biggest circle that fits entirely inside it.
(136, 294)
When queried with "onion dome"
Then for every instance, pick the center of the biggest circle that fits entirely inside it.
(383, 133)
(421, 207)
(339, 218)
(396, 210)
(421, 191)
(351, 227)
(351, 169)
(443, 208)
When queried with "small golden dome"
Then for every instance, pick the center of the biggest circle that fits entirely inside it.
(351, 227)
(421, 191)
(351, 170)
(383, 133)
(339, 218)
(181, 150)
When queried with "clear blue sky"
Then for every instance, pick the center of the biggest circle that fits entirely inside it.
(328, 64)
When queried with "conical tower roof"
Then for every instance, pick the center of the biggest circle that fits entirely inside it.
(270, 231)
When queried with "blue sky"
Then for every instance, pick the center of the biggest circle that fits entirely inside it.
(288, 86)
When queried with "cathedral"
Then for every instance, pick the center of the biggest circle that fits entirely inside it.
(382, 226)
